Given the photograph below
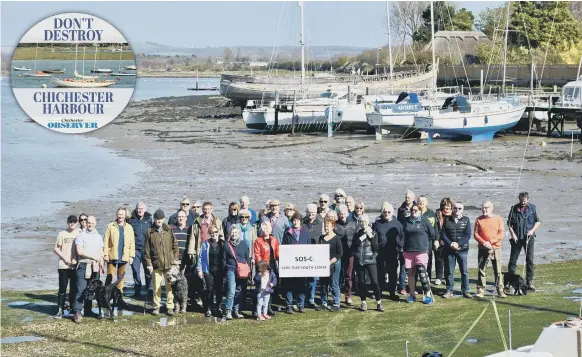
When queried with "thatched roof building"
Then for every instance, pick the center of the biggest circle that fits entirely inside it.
(447, 42)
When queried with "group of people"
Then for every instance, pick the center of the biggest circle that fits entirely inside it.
(222, 258)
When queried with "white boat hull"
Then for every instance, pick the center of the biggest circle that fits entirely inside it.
(101, 70)
(480, 126)
(81, 84)
(255, 118)
(22, 69)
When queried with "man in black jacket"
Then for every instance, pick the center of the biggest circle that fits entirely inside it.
(345, 229)
(141, 221)
(390, 237)
(523, 221)
(456, 234)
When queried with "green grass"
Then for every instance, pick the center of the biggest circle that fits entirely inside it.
(29, 53)
(346, 333)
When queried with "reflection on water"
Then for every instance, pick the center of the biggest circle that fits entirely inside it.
(18, 339)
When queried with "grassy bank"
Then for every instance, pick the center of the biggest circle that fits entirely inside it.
(29, 53)
(346, 333)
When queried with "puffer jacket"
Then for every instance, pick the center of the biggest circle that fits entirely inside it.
(111, 242)
(161, 248)
(365, 252)
(459, 232)
(261, 250)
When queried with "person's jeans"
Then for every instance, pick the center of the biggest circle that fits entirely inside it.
(516, 248)
(451, 258)
(138, 262)
(483, 258)
(333, 280)
(312, 290)
(373, 274)
(348, 271)
(236, 289)
(262, 302)
(295, 287)
(82, 285)
(120, 273)
(66, 276)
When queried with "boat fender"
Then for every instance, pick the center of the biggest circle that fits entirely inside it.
(368, 106)
(465, 122)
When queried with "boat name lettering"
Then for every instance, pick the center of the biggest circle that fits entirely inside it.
(73, 29)
(406, 108)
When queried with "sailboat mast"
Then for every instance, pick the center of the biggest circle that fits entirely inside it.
(95, 60)
(579, 66)
(35, 55)
(84, 49)
(433, 48)
(76, 48)
(300, 3)
(390, 49)
(505, 47)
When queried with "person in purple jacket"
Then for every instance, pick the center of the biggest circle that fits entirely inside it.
(456, 233)
(265, 281)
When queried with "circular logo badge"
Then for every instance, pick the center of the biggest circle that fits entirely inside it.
(73, 73)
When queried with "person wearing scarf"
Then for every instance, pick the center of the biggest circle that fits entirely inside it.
(236, 288)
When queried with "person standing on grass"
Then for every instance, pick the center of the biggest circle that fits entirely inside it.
(418, 232)
(296, 288)
(89, 246)
(403, 214)
(390, 238)
(65, 250)
(456, 234)
(232, 218)
(265, 281)
(335, 256)
(431, 216)
(345, 229)
(236, 251)
(266, 248)
(279, 222)
(445, 210)
(314, 224)
(211, 268)
(200, 228)
(365, 248)
(488, 233)
(119, 247)
(523, 222)
(161, 253)
(141, 220)
(182, 234)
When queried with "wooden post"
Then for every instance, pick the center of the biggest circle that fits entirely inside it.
(276, 126)
(294, 114)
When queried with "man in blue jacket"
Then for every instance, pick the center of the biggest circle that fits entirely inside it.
(456, 234)
(523, 221)
(141, 221)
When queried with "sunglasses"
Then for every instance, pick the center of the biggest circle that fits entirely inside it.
(243, 217)
(83, 219)
(458, 208)
(273, 205)
(185, 204)
(387, 212)
(323, 201)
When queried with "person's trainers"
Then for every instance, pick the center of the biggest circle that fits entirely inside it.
(448, 295)
(363, 306)
(427, 300)
(170, 312)
(59, 314)
(531, 288)
(208, 313)
(501, 294)
(334, 308)
(379, 307)
(480, 293)
(228, 315)
(403, 292)
(267, 317)
(77, 318)
(411, 299)
(321, 307)
(438, 282)
(349, 302)
(301, 309)
(261, 318)
(290, 310)
(394, 296)
(467, 295)
(238, 315)
(155, 312)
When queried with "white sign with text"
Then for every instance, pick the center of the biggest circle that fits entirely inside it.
(303, 260)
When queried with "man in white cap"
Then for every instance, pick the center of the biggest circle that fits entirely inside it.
(279, 222)
(184, 205)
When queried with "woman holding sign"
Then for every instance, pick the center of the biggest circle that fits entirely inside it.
(335, 256)
(365, 247)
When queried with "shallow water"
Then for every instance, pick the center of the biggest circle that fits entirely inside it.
(25, 303)
(18, 339)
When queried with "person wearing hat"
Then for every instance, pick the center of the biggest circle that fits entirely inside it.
(339, 199)
(313, 223)
(279, 222)
(64, 249)
(184, 205)
(161, 253)
(119, 247)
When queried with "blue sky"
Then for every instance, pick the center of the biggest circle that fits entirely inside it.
(222, 23)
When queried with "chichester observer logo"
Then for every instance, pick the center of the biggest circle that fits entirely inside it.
(73, 73)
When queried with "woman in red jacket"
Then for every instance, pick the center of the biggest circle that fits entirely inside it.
(266, 247)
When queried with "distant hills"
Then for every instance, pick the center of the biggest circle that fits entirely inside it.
(285, 52)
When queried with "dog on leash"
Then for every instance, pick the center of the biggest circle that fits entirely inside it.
(108, 296)
(516, 282)
(179, 288)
